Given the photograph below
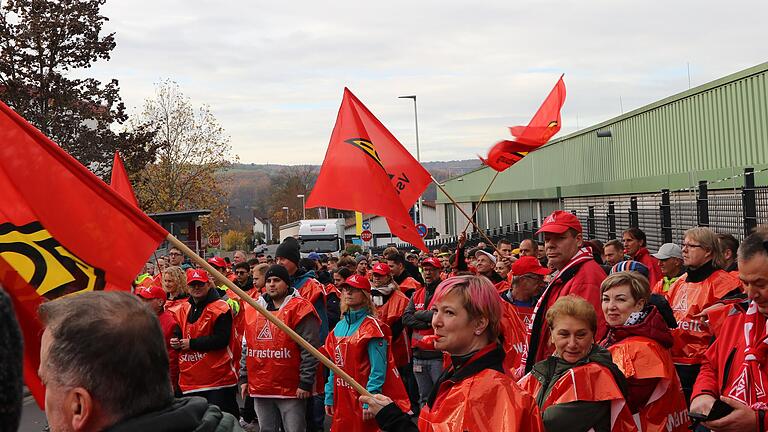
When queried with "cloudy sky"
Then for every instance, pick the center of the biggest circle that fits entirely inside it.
(273, 72)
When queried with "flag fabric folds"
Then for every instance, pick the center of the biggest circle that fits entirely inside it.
(542, 127)
(366, 169)
(120, 181)
(62, 231)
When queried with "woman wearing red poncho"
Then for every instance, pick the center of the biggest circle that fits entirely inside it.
(639, 341)
(360, 345)
(473, 394)
(578, 388)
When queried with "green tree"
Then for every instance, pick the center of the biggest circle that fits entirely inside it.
(192, 157)
(43, 45)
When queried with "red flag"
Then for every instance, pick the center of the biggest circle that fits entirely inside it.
(62, 231)
(120, 182)
(543, 126)
(366, 169)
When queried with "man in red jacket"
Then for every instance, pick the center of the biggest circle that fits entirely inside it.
(154, 297)
(735, 370)
(576, 273)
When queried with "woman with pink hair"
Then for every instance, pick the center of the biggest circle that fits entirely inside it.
(467, 312)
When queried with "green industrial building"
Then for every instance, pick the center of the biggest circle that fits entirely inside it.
(682, 158)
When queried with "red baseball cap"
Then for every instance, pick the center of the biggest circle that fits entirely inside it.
(151, 292)
(559, 222)
(434, 262)
(197, 275)
(357, 281)
(381, 269)
(217, 261)
(528, 264)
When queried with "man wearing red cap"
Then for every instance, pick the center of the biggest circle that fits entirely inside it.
(527, 283)
(154, 297)
(576, 273)
(206, 342)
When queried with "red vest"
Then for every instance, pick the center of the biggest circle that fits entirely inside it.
(515, 337)
(591, 382)
(312, 290)
(410, 284)
(390, 312)
(488, 401)
(417, 336)
(210, 370)
(167, 324)
(273, 358)
(692, 336)
(643, 358)
(350, 353)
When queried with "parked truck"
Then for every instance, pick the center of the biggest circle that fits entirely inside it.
(324, 236)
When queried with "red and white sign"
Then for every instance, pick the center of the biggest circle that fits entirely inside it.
(366, 236)
(214, 240)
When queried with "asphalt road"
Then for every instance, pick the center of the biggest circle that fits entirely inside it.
(32, 417)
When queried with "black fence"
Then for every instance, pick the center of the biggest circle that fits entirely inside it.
(663, 216)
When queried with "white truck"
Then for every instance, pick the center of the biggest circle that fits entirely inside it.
(325, 236)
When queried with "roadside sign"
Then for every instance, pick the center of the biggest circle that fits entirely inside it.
(366, 236)
(214, 240)
(366, 225)
(422, 230)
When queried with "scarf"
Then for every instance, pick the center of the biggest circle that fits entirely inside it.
(747, 387)
(583, 255)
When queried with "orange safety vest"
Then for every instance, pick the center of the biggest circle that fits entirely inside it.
(390, 312)
(515, 341)
(418, 335)
(312, 290)
(350, 353)
(272, 357)
(643, 358)
(487, 401)
(591, 382)
(692, 335)
(210, 370)
(410, 284)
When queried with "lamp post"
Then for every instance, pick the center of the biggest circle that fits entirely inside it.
(286, 214)
(416, 218)
(303, 210)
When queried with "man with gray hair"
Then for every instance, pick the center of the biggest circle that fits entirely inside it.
(104, 364)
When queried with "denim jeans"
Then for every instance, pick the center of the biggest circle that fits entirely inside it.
(427, 371)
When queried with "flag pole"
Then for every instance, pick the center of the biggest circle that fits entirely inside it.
(481, 199)
(268, 315)
(455, 204)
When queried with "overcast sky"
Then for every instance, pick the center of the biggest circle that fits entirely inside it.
(273, 72)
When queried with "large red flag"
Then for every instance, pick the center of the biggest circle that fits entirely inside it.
(120, 181)
(366, 169)
(542, 127)
(62, 231)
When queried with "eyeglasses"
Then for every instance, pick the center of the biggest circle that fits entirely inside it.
(174, 254)
(690, 246)
(241, 272)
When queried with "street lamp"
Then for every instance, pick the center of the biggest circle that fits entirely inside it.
(286, 214)
(303, 210)
(416, 218)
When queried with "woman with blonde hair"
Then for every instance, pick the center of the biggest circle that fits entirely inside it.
(175, 286)
(474, 393)
(704, 284)
(360, 344)
(578, 388)
(639, 341)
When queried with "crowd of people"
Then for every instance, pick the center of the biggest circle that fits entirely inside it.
(566, 334)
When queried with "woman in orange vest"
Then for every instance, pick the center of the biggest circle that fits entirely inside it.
(704, 284)
(474, 394)
(206, 362)
(578, 388)
(639, 341)
(359, 344)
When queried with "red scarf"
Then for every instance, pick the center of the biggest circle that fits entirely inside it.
(748, 387)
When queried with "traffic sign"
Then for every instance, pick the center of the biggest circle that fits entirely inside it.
(214, 240)
(366, 236)
(366, 225)
(422, 230)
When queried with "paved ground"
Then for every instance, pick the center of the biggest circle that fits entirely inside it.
(32, 417)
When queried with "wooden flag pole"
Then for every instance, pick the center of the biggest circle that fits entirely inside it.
(482, 233)
(481, 199)
(268, 315)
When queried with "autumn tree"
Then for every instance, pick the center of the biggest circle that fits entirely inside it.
(44, 47)
(192, 157)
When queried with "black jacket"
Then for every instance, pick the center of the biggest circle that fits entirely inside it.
(183, 415)
(222, 328)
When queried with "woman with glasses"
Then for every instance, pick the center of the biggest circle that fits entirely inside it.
(704, 284)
